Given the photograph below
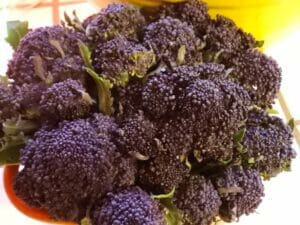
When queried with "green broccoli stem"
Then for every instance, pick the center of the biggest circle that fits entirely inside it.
(104, 86)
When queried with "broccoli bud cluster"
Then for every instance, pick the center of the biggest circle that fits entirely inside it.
(143, 116)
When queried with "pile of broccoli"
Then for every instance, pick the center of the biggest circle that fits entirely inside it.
(143, 116)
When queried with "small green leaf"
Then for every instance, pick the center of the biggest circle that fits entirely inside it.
(4, 80)
(16, 30)
(10, 149)
(241, 149)
(197, 155)
(272, 111)
(74, 23)
(164, 196)
(259, 44)
(139, 156)
(291, 123)
(18, 125)
(86, 54)
(251, 160)
(105, 99)
(57, 46)
(225, 190)
(188, 164)
(85, 221)
(225, 162)
(181, 55)
(239, 135)
(173, 216)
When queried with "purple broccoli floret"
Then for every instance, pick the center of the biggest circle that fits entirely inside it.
(48, 54)
(173, 41)
(162, 174)
(65, 100)
(259, 74)
(241, 191)
(268, 141)
(130, 206)
(120, 59)
(137, 135)
(116, 19)
(69, 166)
(197, 200)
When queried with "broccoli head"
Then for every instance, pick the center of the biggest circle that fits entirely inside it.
(69, 166)
(9, 103)
(268, 142)
(161, 174)
(194, 12)
(158, 96)
(115, 19)
(173, 41)
(259, 74)
(223, 36)
(65, 100)
(119, 59)
(48, 54)
(175, 135)
(198, 200)
(127, 99)
(130, 206)
(241, 191)
(137, 135)
(219, 108)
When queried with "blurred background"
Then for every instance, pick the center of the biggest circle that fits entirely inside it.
(281, 203)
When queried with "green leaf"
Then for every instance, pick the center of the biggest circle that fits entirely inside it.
(188, 164)
(74, 22)
(197, 155)
(239, 135)
(259, 44)
(173, 216)
(16, 30)
(18, 125)
(225, 162)
(164, 196)
(4, 80)
(272, 111)
(181, 55)
(86, 54)
(291, 123)
(241, 148)
(10, 149)
(251, 160)
(105, 100)
(85, 221)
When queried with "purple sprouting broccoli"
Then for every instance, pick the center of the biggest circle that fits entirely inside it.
(162, 174)
(241, 191)
(130, 206)
(193, 12)
(158, 96)
(65, 100)
(48, 54)
(268, 142)
(116, 19)
(259, 74)
(164, 92)
(120, 59)
(9, 103)
(137, 136)
(70, 166)
(127, 99)
(197, 200)
(223, 37)
(173, 41)
(175, 135)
